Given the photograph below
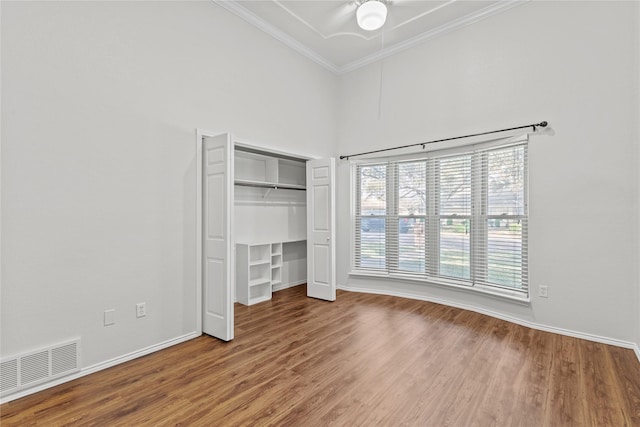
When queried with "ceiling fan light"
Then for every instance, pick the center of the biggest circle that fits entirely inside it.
(371, 15)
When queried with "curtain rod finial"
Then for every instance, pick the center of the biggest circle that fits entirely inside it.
(543, 124)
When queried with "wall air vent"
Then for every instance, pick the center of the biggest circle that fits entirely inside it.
(8, 375)
(39, 366)
(34, 367)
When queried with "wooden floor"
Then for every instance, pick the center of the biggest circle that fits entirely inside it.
(364, 360)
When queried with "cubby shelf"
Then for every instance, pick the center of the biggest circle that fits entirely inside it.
(276, 264)
(253, 273)
(259, 270)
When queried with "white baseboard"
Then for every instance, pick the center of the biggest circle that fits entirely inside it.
(100, 366)
(288, 285)
(532, 325)
(636, 348)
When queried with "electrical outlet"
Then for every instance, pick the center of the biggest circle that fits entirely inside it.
(109, 317)
(141, 309)
(543, 291)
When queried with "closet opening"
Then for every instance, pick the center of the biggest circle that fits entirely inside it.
(270, 223)
(266, 222)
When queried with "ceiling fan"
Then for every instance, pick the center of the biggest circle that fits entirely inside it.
(371, 14)
(337, 18)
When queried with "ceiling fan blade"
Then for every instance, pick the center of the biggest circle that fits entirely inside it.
(341, 14)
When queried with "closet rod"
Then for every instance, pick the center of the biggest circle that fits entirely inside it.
(534, 126)
(270, 186)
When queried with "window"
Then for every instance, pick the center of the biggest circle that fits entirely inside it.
(372, 219)
(458, 218)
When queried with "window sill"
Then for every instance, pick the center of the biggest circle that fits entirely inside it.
(503, 294)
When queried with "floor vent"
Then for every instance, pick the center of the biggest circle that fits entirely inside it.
(36, 367)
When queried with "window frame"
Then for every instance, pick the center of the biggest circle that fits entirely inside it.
(477, 217)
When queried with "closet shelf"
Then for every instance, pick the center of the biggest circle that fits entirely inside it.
(260, 281)
(272, 185)
(261, 298)
(259, 262)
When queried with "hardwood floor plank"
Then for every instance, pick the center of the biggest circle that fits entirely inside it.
(363, 360)
(626, 383)
(599, 390)
(566, 396)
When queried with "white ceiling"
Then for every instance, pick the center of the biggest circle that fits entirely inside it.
(326, 30)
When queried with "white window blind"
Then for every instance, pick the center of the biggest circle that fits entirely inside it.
(454, 218)
(371, 205)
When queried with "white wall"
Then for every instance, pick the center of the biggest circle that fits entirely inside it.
(100, 104)
(573, 64)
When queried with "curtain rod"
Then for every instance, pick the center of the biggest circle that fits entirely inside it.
(534, 126)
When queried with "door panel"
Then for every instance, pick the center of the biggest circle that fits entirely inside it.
(218, 240)
(215, 210)
(321, 262)
(214, 274)
(321, 208)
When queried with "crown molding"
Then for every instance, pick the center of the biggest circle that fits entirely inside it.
(234, 7)
(253, 19)
(456, 24)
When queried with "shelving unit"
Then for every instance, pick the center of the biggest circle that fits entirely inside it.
(276, 264)
(262, 268)
(253, 273)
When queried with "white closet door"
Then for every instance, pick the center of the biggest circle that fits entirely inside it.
(321, 254)
(218, 271)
